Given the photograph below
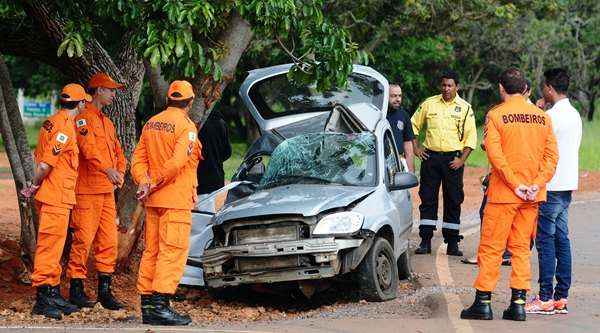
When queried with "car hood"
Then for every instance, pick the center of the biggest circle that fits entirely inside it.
(296, 199)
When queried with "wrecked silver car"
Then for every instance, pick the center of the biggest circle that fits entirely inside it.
(321, 194)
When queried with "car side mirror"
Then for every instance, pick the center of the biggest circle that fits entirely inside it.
(403, 181)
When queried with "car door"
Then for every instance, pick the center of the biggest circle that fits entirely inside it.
(401, 199)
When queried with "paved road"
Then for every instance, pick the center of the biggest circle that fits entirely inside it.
(447, 284)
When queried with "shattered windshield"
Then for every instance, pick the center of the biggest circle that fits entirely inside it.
(323, 158)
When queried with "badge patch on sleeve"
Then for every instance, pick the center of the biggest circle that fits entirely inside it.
(192, 136)
(62, 138)
(400, 125)
(81, 123)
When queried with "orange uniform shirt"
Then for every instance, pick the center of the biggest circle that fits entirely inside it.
(57, 147)
(521, 148)
(100, 149)
(169, 150)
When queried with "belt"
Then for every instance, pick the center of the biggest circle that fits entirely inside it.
(444, 153)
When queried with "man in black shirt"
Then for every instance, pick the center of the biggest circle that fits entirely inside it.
(216, 149)
(401, 125)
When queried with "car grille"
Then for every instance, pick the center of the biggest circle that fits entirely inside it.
(259, 264)
(269, 233)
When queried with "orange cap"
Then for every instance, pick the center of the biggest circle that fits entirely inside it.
(73, 92)
(101, 79)
(180, 90)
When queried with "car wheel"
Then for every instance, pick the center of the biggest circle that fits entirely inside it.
(404, 266)
(378, 273)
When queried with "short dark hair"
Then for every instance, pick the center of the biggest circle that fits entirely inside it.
(395, 84)
(528, 85)
(69, 105)
(179, 103)
(513, 81)
(91, 90)
(450, 74)
(557, 78)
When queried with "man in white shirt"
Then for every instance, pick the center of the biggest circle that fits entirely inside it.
(552, 239)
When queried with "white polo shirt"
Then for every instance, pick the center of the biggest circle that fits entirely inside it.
(566, 124)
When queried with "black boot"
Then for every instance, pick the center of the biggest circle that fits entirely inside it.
(105, 296)
(43, 305)
(424, 247)
(62, 304)
(158, 311)
(452, 249)
(77, 294)
(481, 308)
(516, 309)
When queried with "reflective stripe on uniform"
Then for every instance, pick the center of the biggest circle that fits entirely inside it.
(428, 222)
(454, 226)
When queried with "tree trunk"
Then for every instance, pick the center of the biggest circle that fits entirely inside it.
(158, 85)
(235, 39)
(26, 207)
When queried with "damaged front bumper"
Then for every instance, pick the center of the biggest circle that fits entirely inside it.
(279, 261)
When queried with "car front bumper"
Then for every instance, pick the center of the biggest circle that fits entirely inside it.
(324, 252)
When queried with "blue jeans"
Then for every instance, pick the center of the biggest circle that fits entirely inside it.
(553, 246)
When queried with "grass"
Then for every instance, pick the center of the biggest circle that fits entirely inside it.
(238, 148)
(32, 131)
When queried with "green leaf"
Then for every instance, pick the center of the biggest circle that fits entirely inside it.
(155, 58)
(179, 46)
(70, 49)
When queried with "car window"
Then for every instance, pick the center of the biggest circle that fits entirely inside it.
(277, 96)
(323, 158)
(392, 165)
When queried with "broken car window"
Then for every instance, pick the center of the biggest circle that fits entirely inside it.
(323, 158)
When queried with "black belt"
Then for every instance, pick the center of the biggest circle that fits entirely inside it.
(455, 153)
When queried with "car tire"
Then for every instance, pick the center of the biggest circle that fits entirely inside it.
(378, 274)
(404, 266)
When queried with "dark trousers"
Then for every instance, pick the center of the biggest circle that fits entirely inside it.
(553, 246)
(436, 172)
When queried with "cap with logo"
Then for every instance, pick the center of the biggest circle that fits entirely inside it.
(103, 80)
(73, 92)
(180, 90)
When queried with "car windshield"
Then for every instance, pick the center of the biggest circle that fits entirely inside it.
(277, 96)
(323, 158)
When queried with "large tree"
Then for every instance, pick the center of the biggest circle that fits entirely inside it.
(201, 41)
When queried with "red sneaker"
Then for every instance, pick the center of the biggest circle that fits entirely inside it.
(560, 306)
(537, 306)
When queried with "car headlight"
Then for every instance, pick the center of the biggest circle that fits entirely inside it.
(339, 224)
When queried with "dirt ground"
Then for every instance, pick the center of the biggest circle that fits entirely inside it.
(16, 298)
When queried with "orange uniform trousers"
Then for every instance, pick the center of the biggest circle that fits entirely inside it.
(93, 222)
(52, 233)
(166, 244)
(512, 226)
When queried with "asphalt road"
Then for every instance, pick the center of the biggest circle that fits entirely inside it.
(445, 288)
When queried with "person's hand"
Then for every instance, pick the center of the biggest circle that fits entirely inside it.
(521, 192)
(532, 192)
(541, 103)
(421, 153)
(29, 190)
(457, 163)
(142, 192)
(114, 176)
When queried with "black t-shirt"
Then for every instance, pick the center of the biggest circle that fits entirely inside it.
(401, 127)
(216, 149)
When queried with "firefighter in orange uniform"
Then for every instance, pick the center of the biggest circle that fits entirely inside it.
(56, 157)
(164, 165)
(522, 151)
(101, 170)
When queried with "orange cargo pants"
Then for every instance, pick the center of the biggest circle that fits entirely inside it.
(93, 221)
(166, 244)
(52, 233)
(511, 226)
